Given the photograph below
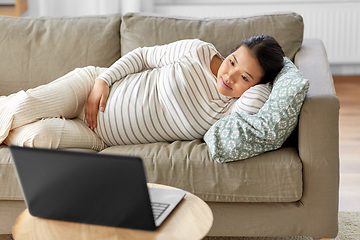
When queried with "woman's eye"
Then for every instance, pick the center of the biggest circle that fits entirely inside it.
(232, 63)
(245, 79)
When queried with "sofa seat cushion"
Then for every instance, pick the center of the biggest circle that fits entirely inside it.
(271, 177)
(275, 176)
(9, 185)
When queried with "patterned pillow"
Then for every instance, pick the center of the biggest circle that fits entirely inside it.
(240, 135)
(252, 99)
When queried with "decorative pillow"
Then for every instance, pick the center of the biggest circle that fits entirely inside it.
(252, 99)
(240, 135)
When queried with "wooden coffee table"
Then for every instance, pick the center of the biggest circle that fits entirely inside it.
(191, 219)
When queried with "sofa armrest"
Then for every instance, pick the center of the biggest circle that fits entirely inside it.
(319, 135)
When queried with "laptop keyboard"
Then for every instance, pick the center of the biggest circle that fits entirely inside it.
(158, 209)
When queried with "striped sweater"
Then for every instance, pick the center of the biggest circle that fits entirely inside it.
(162, 93)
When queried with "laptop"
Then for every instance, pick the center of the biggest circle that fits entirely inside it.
(92, 188)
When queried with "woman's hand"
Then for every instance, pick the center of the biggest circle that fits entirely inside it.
(96, 101)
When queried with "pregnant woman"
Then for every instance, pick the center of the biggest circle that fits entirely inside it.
(152, 94)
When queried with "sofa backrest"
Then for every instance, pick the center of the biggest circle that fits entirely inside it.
(138, 30)
(35, 51)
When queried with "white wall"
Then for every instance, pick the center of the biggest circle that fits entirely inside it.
(57, 8)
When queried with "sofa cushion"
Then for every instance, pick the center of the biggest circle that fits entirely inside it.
(139, 30)
(271, 177)
(240, 135)
(9, 185)
(39, 50)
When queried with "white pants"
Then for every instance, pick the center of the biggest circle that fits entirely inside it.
(51, 115)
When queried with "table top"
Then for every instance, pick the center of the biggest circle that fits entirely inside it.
(191, 219)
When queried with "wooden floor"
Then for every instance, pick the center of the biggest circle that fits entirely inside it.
(348, 91)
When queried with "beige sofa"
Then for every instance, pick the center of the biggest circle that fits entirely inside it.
(292, 191)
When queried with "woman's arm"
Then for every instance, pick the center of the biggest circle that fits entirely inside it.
(141, 59)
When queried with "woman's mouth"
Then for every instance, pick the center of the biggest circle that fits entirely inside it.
(225, 85)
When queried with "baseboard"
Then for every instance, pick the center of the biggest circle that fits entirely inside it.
(345, 69)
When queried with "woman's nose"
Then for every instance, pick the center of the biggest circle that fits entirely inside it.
(232, 76)
(228, 77)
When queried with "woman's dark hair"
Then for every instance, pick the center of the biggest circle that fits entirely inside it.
(269, 54)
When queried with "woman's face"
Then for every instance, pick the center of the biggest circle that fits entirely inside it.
(238, 72)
